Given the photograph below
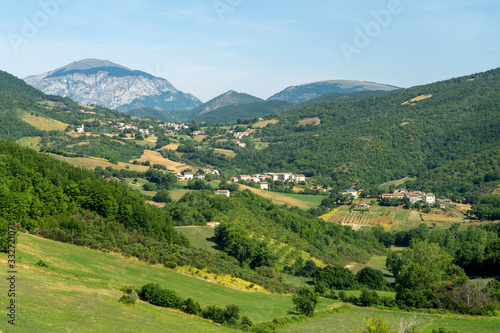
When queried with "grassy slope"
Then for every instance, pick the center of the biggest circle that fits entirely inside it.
(94, 278)
(299, 200)
(355, 319)
(198, 237)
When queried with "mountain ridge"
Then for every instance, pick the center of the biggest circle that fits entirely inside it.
(102, 82)
(304, 92)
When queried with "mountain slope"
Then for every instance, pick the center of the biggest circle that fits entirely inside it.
(101, 82)
(444, 133)
(229, 98)
(230, 114)
(304, 92)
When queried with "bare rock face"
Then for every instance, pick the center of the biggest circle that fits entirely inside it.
(101, 82)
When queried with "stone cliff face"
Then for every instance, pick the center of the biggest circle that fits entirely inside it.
(101, 82)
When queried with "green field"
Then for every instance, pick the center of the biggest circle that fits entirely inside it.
(396, 183)
(402, 214)
(315, 200)
(356, 319)
(376, 262)
(199, 237)
(80, 289)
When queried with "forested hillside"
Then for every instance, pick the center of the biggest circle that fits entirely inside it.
(55, 200)
(446, 134)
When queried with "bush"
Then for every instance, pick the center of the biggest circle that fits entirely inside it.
(191, 306)
(149, 187)
(170, 264)
(305, 300)
(369, 297)
(42, 264)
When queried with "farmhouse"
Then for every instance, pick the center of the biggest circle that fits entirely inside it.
(244, 177)
(264, 185)
(299, 178)
(354, 193)
(188, 175)
(81, 129)
(241, 135)
(241, 144)
(144, 131)
(223, 192)
(401, 193)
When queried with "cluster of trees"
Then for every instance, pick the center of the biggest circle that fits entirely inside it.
(427, 278)
(475, 249)
(235, 240)
(229, 316)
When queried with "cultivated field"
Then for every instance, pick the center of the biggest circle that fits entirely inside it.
(31, 142)
(155, 158)
(44, 124)
(396, 183)
(310, 121)
(397, 218)
(298, 200)
(264, 123)
(93, 162)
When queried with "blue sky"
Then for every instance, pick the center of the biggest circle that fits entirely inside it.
(207, 47)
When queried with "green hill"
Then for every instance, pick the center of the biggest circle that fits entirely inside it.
(230, 114)
(445, 134)
(12, 85)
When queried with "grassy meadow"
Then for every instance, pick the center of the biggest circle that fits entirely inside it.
(78, 292)
(355, 320)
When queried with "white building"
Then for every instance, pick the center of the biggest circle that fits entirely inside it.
(223, 192)
(264, 185)
(429, 198)
(188, 175)
(81, 129)
(299, 178)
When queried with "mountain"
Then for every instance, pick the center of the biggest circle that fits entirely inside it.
(230, 114)
(304, 92)
(229, 98)
(445, 134)
(102, 82)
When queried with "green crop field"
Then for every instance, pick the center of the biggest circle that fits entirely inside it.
(356, 319)
(199, 237)
(315, 200)
(80, 289)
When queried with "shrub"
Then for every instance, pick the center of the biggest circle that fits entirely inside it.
(191, 306)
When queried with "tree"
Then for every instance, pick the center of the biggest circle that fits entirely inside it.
(369, 297)
(373, 278)
(336, 277)
(421, 271)
(305, 300)
(162, 196)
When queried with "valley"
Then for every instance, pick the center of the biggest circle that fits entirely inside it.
(103, 200)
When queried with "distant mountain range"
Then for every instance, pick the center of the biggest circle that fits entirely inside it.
(305, 92)
(102, 82)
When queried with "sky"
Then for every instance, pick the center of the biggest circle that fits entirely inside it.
(207, 47)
